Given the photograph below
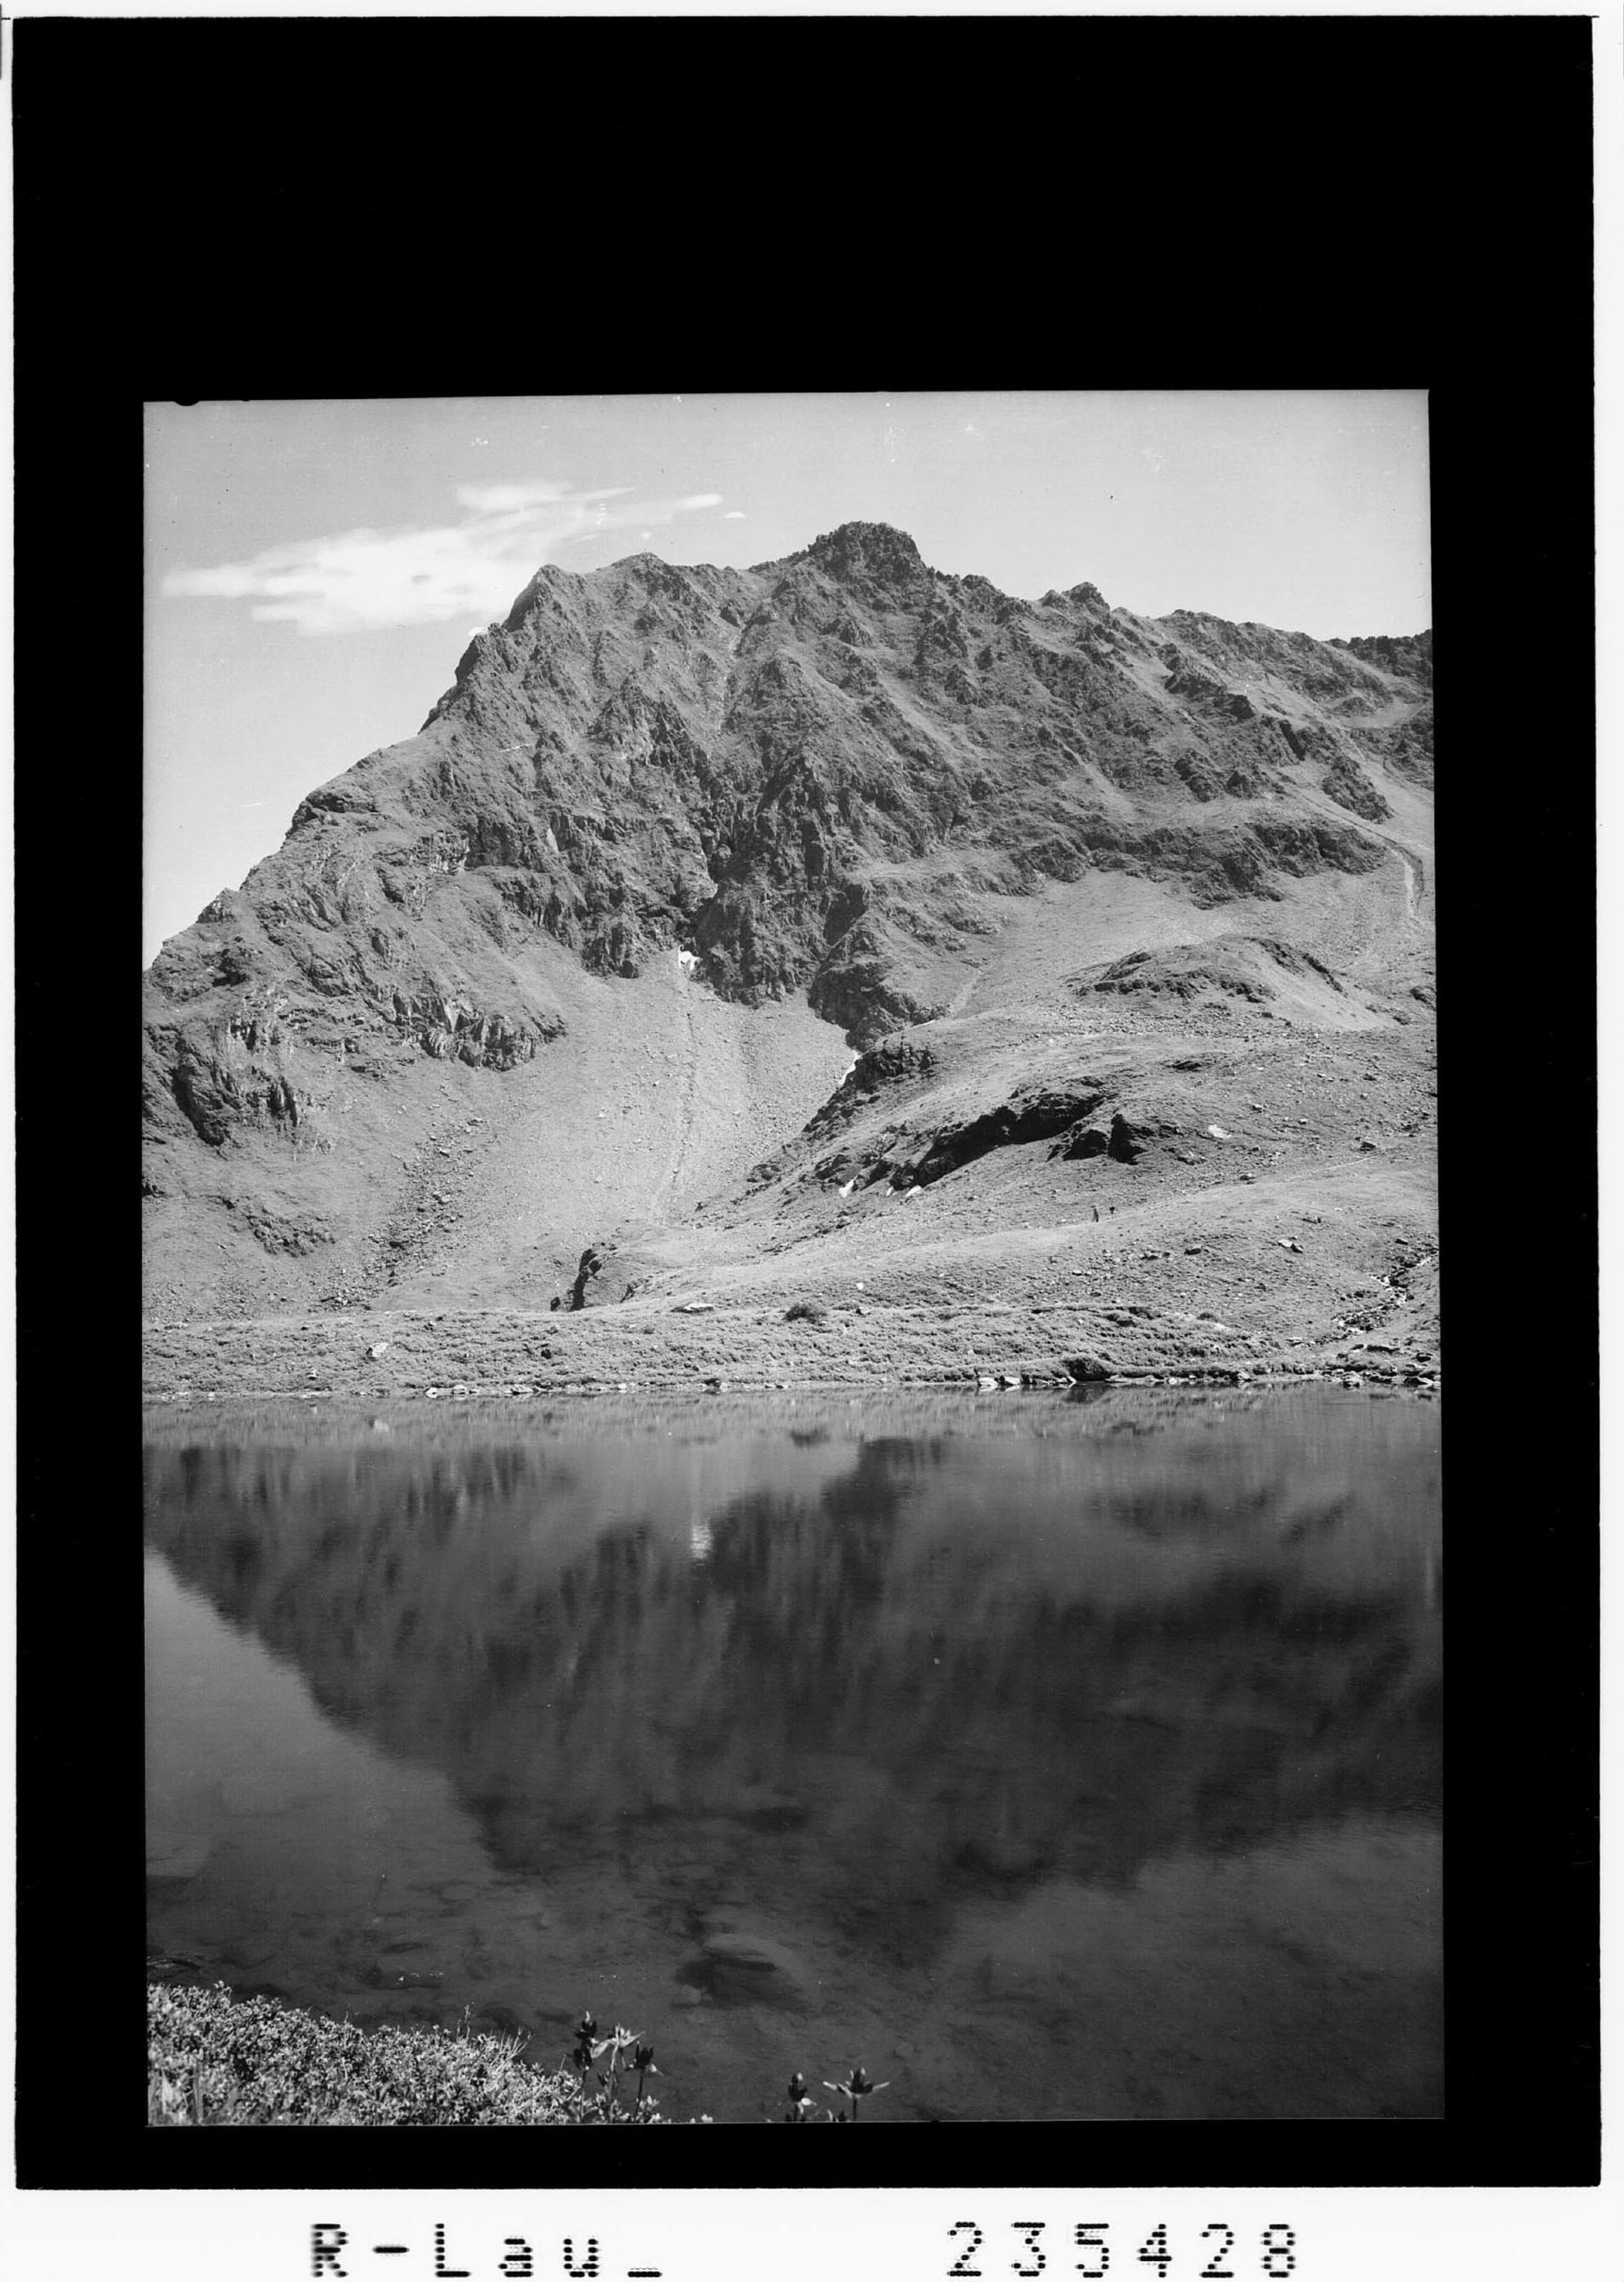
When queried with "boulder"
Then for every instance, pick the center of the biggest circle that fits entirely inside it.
(591, 1264)
(1084, 1367)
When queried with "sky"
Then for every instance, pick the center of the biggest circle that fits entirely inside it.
(315, 568)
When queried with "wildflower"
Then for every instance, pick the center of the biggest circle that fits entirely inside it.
(857, 2086)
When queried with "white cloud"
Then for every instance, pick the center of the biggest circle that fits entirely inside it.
(734, 514)
(508, 499)
(501, 499)
(474, 567)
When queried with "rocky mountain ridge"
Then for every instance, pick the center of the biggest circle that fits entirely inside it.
(820, 787)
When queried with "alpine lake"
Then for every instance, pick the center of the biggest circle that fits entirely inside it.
(1050, 1756)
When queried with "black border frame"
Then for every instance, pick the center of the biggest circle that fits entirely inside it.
(208, 207)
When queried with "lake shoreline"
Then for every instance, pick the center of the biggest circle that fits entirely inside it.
(694, 1348)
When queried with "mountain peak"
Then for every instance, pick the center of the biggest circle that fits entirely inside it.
(875, 549)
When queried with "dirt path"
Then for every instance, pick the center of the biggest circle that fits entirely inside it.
(961, 998)
(655, 1090)
(675, 1177)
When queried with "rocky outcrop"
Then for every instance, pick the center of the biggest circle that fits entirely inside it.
(1127, 1142)
(293, 1233)
(1346, 783)
(1405, 746)
(1407, 658)
(1072, 1115)
(1036, 1116)
(451, 1029)
(1256, 968)
(591, 1264)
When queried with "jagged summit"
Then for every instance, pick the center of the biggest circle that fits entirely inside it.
(548, 578)
(872, 550)
(1411, 655)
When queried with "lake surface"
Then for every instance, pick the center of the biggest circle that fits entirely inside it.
(1053, 1758)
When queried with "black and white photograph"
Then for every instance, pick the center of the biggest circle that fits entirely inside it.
(823, 1084)
(790, 1258)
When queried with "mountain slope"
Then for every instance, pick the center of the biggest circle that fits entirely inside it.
(679, 843)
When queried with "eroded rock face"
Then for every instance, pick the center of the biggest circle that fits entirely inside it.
(591, 1265)
(1027, 1117)
(1255, 968)
(1128, 1142)
(1347, 784)
(1410, 656)
(321, 972)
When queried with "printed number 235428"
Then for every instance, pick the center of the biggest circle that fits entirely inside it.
(1223, 2255)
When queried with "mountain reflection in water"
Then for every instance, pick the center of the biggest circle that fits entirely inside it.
(1085, 1774)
